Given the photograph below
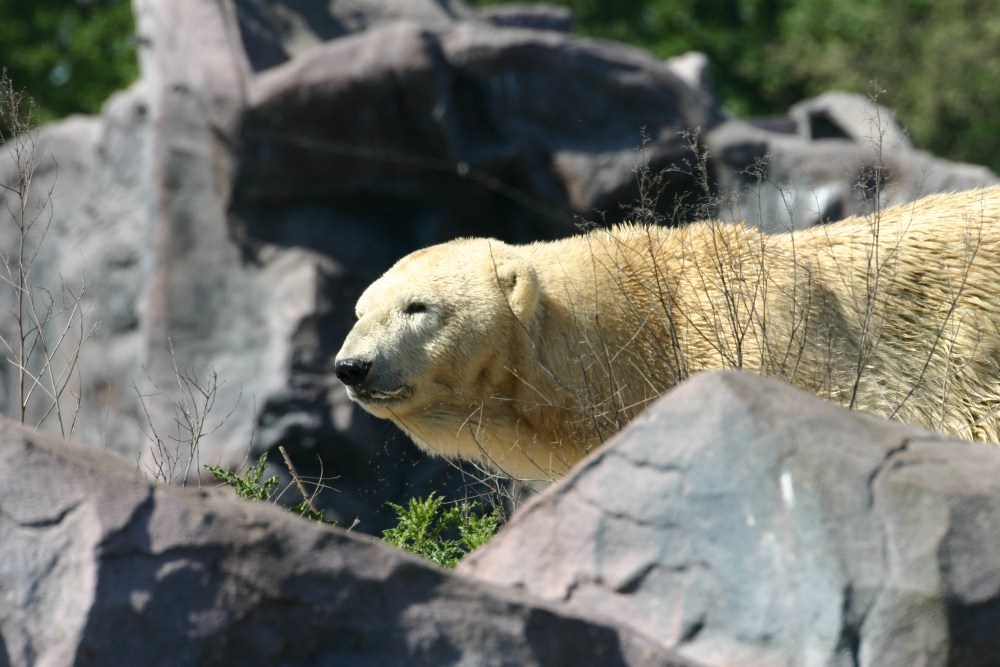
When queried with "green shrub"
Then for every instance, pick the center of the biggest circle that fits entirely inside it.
(442, 536)
(251, 486)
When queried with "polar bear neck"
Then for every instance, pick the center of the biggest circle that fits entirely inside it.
(599, 315)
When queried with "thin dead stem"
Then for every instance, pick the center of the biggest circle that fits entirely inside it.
(48, 329)
(173, 457)
(310, 498)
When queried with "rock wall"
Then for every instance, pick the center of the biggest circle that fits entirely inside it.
(740, 521)
(219, 218)
(100, 567)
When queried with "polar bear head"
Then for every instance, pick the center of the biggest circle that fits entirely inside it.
(439, 335)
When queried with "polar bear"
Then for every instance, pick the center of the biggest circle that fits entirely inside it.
(527, 357)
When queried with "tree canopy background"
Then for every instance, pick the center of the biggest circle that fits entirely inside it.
(937, 61)
(68, 55)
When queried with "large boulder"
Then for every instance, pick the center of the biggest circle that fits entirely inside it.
(100, 567)
(470, 112)
(741, 521)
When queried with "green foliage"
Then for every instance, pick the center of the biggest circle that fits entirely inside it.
(935, 60)
(69, 55)
(441, 536)
(248, 486)
(252, 486)
(305, 510)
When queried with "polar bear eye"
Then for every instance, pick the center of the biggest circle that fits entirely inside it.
(415, 307)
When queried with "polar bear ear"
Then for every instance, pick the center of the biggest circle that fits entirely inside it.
(519, 283)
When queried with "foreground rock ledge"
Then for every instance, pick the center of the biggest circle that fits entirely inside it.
(98, 567)
(744, 522)
(738, 521)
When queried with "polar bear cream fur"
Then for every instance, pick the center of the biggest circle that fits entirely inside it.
(527, 357)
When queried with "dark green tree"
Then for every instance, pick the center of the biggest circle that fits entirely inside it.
(936, 61)
(69, 55)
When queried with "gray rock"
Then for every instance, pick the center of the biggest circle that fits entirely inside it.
(840, 115)
(835, 156)
(470, 110)
(534, 16)
(695, 70)
(275, 31)
(742, 521)
(98, 567)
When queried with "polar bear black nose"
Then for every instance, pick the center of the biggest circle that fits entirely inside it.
(352, 371)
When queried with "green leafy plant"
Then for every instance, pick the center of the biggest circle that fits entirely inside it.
(442, 536)
(251, 485)
(424, 527)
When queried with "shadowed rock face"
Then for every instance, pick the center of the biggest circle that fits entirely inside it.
(739, 521)
(742, 521)
(98, 567)
(224, 213)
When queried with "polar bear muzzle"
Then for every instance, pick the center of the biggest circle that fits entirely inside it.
(352, 371)
(366, 385)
